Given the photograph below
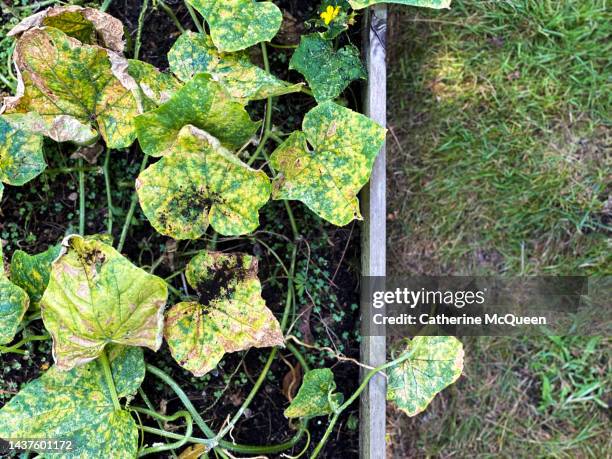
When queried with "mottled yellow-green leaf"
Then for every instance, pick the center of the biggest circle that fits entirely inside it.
(317, 396)
(359, 4)
(88, 25)
(239, 24)
(327, 71)
(76, 405)
(229, 316)
(74, 88)
(202, 103)
(13, 305)
(31, 272)
(156, 87)
(21, 156)
(195, 53)
(432, 364)
(200, 183)
(327, 164)
(95, 297)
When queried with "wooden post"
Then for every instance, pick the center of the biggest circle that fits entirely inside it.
(372, 428)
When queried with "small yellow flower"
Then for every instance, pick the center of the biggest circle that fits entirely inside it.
(330, 14)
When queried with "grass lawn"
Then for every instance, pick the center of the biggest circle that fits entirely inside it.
(501, 162)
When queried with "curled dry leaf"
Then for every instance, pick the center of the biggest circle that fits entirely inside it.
(229, 316)
(88, 25)
(95, 297)
(76, 89)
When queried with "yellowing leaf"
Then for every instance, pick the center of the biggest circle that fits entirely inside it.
(31, 272)
(14, 303)
(88, 25)
(195, 53)
(359, 4)
(317, 396)
(202, 103)
(21, 156)
(432, 363)
(239, 24)
(156, 87)
(328, 177)
(327, 71)
(95, 297)
(200, 183)
(230, 315)
(76, 405)
(74, 87)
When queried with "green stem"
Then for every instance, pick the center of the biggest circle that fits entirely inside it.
(354, 397)
(132, 210)
(298, 355)
(109, 196)
(105, 5)
(71, 170)
(171, 15)
(141, 18)
(145, 398)
(81, 199)
(7, 83)
(307, 91)
(194, 17)
(161, 417)
(108, 376)
(278, 139)
(16, 348)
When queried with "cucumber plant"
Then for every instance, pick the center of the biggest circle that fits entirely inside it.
(75, 85)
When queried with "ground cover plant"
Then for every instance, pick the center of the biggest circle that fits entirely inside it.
(205, 163)
(500, 165)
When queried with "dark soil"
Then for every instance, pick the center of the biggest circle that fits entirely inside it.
(40, 214)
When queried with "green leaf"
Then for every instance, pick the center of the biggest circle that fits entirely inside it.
(438, 4)
(239, 24)
(432, 364)
(156, 87)
(327, 71)
(317, 396)
(21, 156)
(75, 88)
(88, 25)
(96, 296)
(202, 103)
(328, 177)
(230, 315)
(77, 405)
(200, 183)
(195, 53)
(14, 303)
(31, 272)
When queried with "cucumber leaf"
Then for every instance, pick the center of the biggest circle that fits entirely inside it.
(95, 297)
(438, 4)
(239, 24)
(230, 315)
(88, 25)
(317, 396)
(31, 272)
(328, 177)
(14, 303)
(156, 87)
(195, 53)
(202, 103)
(327, 71)
(200, 183)
(21, 156)
(432, 364)
(76, 89)
(77, 405)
